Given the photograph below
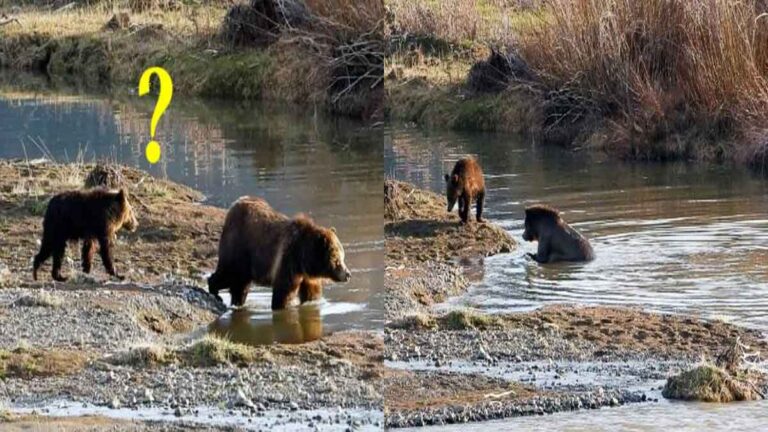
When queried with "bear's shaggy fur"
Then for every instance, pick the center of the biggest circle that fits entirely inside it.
(557, 240)
(260, 245)
(465, 184)
(91, 216)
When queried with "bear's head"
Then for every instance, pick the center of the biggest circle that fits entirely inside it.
(125, 216)
(537, 219)
(453, 189)
(322, 254)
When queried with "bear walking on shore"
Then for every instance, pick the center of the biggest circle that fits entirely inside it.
(260, 245)
(93, 216)
(558, 241)
(466, 184)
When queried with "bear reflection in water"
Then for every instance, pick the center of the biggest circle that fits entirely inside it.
(292, 325)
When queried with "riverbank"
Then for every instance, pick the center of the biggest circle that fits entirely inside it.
(430, 255)
(209, 49)
(140, 347)
(556, 75)
(466, 366)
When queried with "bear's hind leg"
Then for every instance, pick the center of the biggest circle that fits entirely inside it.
(87, 255)
(44, 254)
(310, 290)
(58, 259)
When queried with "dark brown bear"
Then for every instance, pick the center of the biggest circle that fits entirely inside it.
(464, 185)
(91, 216)
(557, 240)
(263, 246)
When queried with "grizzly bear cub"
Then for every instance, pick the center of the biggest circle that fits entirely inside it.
(466, 184)
(92, 216)
(260, 245)
(557, 240)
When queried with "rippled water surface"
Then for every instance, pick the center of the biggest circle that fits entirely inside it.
(663, 416)
(673, 237)
(299, 161)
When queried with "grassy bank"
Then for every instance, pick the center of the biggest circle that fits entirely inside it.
(654, 80)
(208, 48)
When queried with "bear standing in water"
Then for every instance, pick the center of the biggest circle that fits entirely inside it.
(91, 216)
(557, 240)
(464, 185)
(263, 246)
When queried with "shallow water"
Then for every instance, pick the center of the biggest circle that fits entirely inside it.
(298, 161)
(671, 237)
(663, 416)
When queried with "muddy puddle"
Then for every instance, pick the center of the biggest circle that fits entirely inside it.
(671, 237)
(299, 161)
(303, 420)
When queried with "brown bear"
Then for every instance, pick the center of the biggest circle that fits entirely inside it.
(260, 245)
(91, 216)
(466, 184)
(557, 240)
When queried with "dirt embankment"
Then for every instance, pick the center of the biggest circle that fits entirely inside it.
(142, 342)
(429, 253)
(327, 54)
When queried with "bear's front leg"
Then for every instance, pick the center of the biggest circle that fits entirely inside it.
(106, 256)
(311, 289)
(284, 290)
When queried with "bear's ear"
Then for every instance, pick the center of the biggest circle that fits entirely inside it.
(122, 194)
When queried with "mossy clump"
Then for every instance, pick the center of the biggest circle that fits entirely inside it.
(414, 322)
(40, 299)
(465, 320)
(709, 383)
(27, 363)
(146, 355)
(212, 351)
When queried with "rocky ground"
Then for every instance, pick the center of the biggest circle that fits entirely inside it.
(97, 345)
(464, 366)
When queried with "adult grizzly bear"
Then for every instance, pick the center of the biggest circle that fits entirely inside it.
(91, 216)
(557, 240)
(260, 245)
(466, 184)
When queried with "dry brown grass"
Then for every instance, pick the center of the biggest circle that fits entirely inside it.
(463, 21)
(29, 363)
(188, 21)
(672, 78)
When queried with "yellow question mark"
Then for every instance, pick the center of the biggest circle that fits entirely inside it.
(163, 100)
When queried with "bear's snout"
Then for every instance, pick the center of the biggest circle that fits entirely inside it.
(342, 275)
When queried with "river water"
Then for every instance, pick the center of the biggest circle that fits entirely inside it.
(669, 237)
(298, 161)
